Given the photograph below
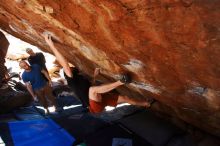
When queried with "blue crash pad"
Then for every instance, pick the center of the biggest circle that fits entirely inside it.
(39, 132)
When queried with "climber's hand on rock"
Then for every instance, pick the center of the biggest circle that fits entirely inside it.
(97, 71)
(48, 39)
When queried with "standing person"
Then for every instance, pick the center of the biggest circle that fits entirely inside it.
(98, 96)
(36, 84)
(37, 58)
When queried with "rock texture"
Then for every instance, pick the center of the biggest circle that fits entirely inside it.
(3, 51)
(170, 47)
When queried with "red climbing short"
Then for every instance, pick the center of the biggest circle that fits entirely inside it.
(110, 99)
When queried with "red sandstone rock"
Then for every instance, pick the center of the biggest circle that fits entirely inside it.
(171, 47)
(3, 51)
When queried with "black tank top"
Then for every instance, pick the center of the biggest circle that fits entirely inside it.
(80, 86)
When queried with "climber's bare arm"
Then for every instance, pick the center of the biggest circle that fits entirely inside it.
(60, 58)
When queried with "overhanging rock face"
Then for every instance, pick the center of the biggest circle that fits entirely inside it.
(171, 47)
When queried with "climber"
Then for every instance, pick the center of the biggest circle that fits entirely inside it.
(95, 97)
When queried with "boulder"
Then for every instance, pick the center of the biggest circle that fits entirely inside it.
(170, 47)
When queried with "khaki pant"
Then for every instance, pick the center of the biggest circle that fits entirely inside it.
(43, 94)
